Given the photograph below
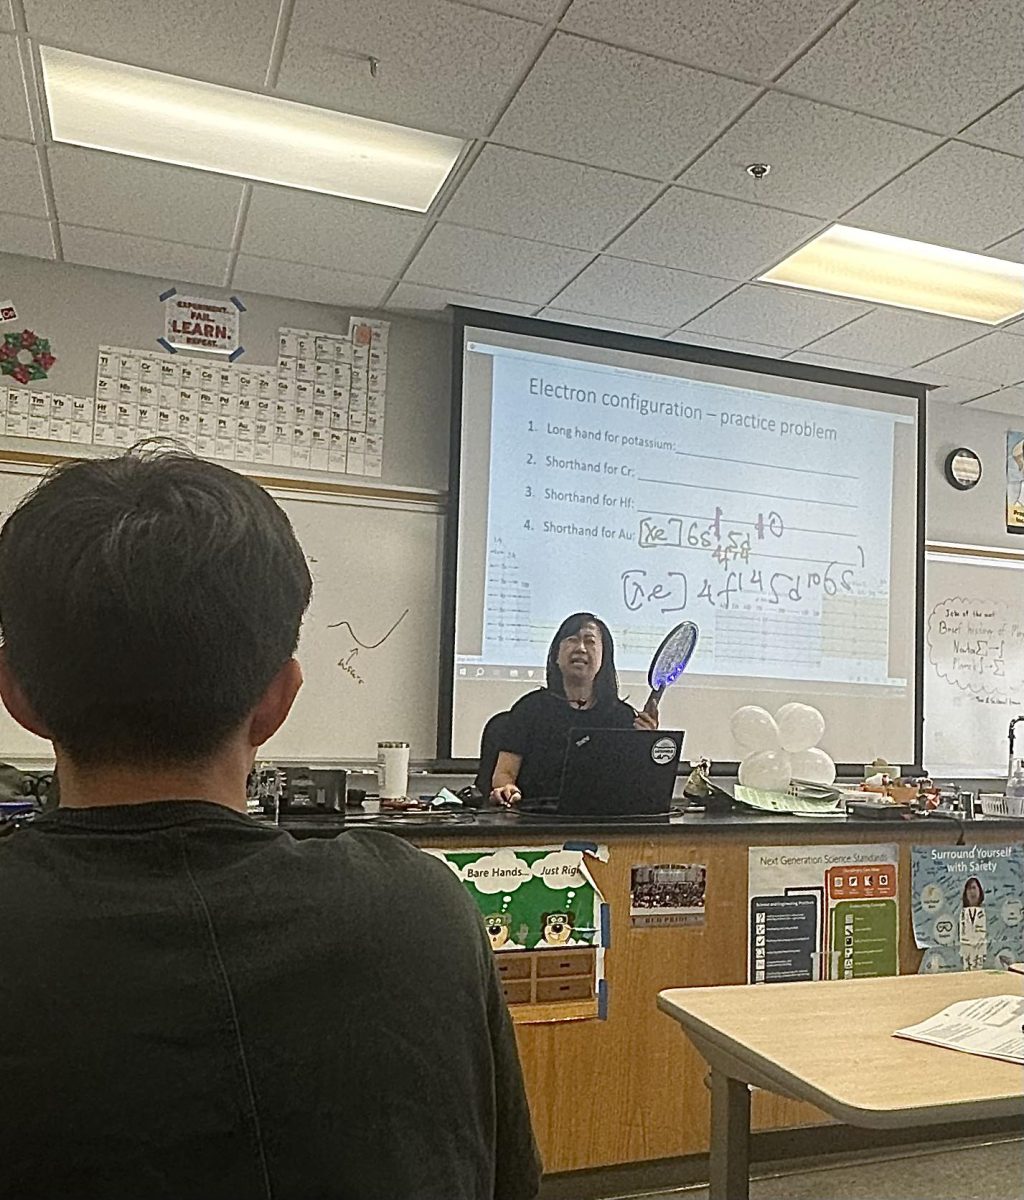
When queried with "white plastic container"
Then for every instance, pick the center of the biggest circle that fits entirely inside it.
(995, 804)
(393, 769)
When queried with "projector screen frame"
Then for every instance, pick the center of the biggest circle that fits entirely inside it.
(463, 317)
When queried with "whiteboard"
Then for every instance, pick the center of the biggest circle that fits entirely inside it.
(973, 662)
(376, 568)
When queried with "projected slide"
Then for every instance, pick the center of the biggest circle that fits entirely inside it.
(779, 513)
(764, 518)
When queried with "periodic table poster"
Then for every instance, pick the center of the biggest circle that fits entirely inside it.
(320, 407)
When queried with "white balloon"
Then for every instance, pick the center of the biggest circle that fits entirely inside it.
(814, 766)
(800, 727)
(754, 728)
(768, 770)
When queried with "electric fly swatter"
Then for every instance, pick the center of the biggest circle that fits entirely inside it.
(670, 660)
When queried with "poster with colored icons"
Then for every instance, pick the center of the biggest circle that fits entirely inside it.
(822, 912)
(968, 906)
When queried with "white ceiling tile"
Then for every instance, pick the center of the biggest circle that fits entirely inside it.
(1002, 129)
(26, 235)
(531, 195)
(777, 316)
(22, 188)
(619, 110)
(690, 337)
(298, 281)
(798, 139)
(541, 11)
(897, 338)
(167, 261)
(836, 363)
(589, 321)
(325, 231)
(712, 235)
(1011, 248)
(960, 196)
(130, 195)
(936, 64)
(228, 42)
(1008, 400)
(14, 118)
(443, 66)
(948, 388)
(613, 287)
(487, 264)
(741, 37)
(997, 356)
(414, 297)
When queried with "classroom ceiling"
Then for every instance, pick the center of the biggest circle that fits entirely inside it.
(604, 179)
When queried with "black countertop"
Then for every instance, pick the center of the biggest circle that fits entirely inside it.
(489, 822)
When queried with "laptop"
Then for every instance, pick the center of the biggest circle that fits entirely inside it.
(615, 773)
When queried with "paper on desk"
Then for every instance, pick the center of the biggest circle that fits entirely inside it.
(991, 1027)
(782, 802)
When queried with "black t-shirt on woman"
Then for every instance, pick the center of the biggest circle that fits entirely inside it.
(537, 728)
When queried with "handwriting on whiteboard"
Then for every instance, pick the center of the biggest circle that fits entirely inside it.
(978, 646)
(368, 645)
(348, 659)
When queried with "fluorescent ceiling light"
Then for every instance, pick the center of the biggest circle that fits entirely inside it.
(892, 270)
(147, 114)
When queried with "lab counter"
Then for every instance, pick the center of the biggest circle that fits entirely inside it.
(630, 1088)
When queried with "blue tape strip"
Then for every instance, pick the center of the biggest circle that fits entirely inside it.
(583, 847)
(168, 294)
(236, 353)
(167, 345)
(602, 1000)
(238, 304)
(605, 917)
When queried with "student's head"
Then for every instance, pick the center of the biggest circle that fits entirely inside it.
(582, 653)
(974, 896)
(150, 606)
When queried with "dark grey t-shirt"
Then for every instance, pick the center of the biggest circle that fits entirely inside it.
(195, 1005)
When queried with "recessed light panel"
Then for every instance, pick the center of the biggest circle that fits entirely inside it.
(891, 270)
(148, 114)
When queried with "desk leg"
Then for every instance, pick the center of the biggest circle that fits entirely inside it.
(730, 1138)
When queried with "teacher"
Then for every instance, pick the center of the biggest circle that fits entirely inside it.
(582, 693)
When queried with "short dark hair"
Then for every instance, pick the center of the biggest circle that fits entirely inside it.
(981, 892)
(606, 681)
(146, 602)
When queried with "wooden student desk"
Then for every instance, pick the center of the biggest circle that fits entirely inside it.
(832, 1044)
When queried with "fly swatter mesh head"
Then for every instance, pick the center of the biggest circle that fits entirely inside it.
(671, 657)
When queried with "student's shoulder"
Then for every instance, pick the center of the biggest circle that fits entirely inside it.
(384, 855)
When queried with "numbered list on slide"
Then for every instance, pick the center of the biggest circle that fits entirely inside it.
(651, 499)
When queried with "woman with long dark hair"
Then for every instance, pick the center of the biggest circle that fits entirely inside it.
(582, 693)
(973, 926)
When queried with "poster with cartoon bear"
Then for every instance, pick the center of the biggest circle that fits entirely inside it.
(968, 906)
(536, 899)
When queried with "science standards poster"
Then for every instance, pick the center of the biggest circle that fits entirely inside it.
(821, 912)
(968, 906)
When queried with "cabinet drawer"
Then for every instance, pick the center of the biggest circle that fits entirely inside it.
(580, 988)
(516, 991)
(568, 962)
(513, 966)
